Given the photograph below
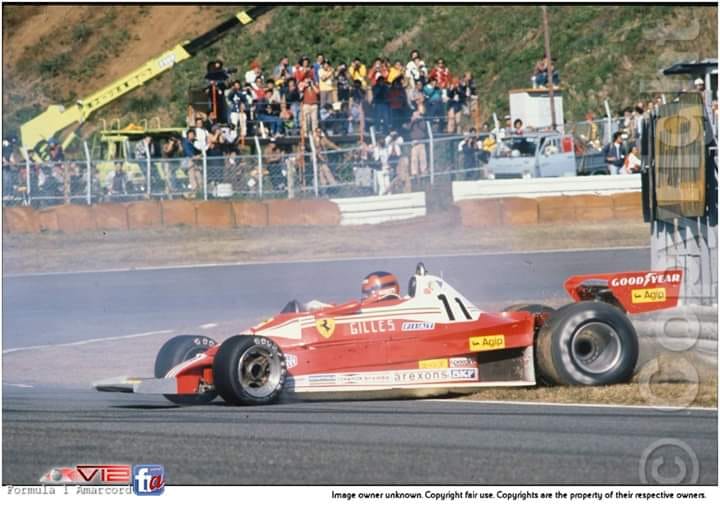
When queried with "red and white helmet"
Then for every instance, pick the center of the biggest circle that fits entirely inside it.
(379, 285)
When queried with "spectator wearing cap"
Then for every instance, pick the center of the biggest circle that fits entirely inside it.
(326, 76)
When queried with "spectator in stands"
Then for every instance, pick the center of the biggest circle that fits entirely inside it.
(488, 147)
(381, 107)
(282, 70)
(470, 148)
(317, 66)
(303, 70)
(358, 72)
(268, 113)
(322, 145)
(418, 131)
(518, 127)
(434, 106)
(274, 93)
(192, 156)
(441, 74)
(615, 154)
(56, 151)
(415, 70)
(343, 83)
(252, 74)
(398, 163)
(273, 157)
(455, 101)
(258, 89)
(326, 75)
(293, 99)
(239, 100)
(540, 73)
(397, 70)
(170, 149)
(416, 98)
(377, 71)
(201, 135)
(633, 163)
(310, 99)
(397, 102)
(288, 119)
(382, 166)
(327, 118)
(144, 148)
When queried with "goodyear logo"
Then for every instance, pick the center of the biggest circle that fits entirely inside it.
(653, 295)
(433, 363)
(487, 343)
(325, 327)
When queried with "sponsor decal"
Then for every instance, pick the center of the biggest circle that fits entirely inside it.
(83, 474)
(372, 326)
(148, 480)
(166, 60)
(487, 343)
(644, 280)
(422, 376)
(433, 363)
(322, 380)
(462, 362)
(464, 373)
(325, 327)
(290, 361)
(417, 326)
(652, 295)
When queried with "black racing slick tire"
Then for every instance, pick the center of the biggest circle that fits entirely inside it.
(176, 350)
(587, 343)
(249, 370)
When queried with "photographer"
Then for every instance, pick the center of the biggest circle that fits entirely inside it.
(310, 96)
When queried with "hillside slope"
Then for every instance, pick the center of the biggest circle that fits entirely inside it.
(54, 54)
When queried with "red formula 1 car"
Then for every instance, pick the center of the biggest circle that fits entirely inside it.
(433, 341)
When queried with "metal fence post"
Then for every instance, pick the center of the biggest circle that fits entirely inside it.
(149, 164)
(372, 136)
(89, 172)
(260, 167)
(316, 188)
(27, 175)
(608, 137)
(204, 159)
(432, 152)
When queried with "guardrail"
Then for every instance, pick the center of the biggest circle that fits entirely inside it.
(549, 186)
(379, 209)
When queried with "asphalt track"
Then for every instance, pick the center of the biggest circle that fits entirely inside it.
(400, 442)
(381, 442)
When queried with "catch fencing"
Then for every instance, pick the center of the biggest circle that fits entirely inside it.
(378, 165)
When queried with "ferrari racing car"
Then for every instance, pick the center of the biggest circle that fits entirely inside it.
(431, 341)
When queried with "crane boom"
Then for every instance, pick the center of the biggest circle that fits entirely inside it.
(56, 118)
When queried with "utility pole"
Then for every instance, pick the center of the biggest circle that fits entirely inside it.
(551, 94)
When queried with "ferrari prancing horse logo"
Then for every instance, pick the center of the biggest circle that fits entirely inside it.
(325, 327)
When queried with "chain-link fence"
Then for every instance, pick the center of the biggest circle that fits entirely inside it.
(314, 166)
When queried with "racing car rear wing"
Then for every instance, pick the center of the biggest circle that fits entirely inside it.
(635, 292)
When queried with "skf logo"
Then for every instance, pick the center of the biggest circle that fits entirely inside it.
(654, 295)
(325, 327)
(487, 343)
(148, 480)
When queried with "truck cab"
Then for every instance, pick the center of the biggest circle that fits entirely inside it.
(547, 154)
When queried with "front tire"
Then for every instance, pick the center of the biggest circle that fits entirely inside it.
(249, 370)
(588, 343)
(176, 350)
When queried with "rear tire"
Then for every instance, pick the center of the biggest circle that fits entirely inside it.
(249, 370)
(589, 343)
(176, 350)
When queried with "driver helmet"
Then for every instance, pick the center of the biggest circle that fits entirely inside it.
(380, 285)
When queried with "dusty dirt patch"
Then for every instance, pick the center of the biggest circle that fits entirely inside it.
(436, 234)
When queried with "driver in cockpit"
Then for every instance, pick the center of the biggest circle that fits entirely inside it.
(380, 286)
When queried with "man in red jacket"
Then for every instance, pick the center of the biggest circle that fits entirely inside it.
(441, 73)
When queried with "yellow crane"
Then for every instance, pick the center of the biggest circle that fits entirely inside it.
(35, 133)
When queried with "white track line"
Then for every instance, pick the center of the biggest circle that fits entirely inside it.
(83, 342)
(419, 257)
(25, 386)
(208, 325)
(592, 405)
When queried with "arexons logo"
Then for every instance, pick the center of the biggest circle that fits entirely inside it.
(648, 278)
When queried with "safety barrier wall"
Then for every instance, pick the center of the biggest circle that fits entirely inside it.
(548, 186)
(379, 209)
(512, 211)
(165, 213)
